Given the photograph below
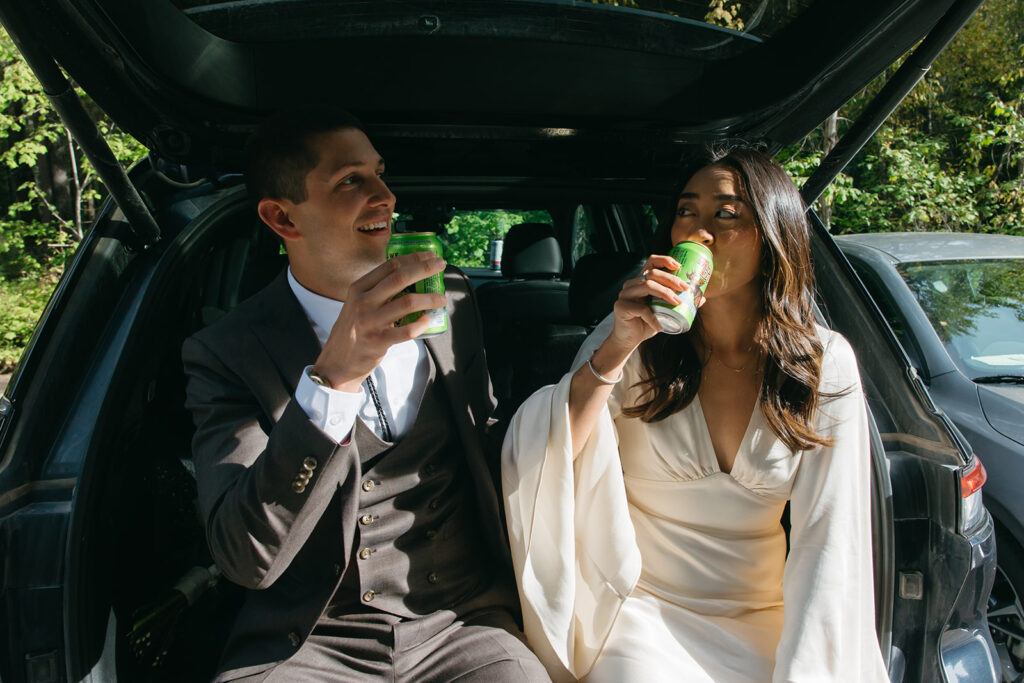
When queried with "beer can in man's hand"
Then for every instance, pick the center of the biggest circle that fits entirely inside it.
(695, 266)
(409, 243)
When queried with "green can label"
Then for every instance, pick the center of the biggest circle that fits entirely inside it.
(410, 243)
(695, 267)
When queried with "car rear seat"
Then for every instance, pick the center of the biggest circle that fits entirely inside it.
(596, 282)
(529, 332)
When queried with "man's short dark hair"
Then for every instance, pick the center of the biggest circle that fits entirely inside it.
(280, 153)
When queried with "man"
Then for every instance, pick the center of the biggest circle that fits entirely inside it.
(339, 459)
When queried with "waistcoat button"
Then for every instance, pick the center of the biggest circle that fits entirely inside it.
(432, 577)
(368, 485)
(366, 519)
(368, 596)
(294, 639)
(365, 553)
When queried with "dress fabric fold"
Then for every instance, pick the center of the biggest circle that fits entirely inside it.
(641, 559)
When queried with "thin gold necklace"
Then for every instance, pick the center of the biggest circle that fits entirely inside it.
(742, 367)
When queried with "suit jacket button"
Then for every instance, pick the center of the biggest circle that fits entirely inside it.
(368, 596)
(431, 533)
(368, 485)
(432, 577)
(366, 519)
(298, 486)
(294, 639)
(309, 464)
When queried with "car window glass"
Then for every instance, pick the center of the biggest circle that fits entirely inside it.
(582, 232)
(605, 228)
(470, 237)
(977, 309)
(761, 19)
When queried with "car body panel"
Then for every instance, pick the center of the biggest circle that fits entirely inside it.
(572, 73)
(989, 415)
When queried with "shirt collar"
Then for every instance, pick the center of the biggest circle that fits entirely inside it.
(321, 311)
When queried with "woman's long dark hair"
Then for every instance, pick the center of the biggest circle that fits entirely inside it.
(785, 334)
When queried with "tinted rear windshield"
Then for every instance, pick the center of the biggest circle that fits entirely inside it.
(761, 19)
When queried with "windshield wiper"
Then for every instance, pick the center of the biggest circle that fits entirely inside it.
(1000, 379)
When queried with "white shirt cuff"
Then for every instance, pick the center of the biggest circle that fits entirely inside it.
(333, 411)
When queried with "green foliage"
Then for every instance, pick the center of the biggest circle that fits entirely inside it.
(951, 157)
(724, 13)
(21, 304)
(52, 191)
(467, 237)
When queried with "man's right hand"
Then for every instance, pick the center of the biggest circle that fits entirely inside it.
(365, 330)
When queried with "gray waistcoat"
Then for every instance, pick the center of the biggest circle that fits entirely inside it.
(418, 546)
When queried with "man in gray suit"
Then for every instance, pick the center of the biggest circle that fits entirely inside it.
(340, 460)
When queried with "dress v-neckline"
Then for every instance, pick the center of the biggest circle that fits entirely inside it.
(706, 434)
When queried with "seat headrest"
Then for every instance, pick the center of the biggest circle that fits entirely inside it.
(531, 250)
(596, 282)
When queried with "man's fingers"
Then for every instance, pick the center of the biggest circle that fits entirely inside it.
(408, 304)
(404, 276)
(416, 267)
(401, 333)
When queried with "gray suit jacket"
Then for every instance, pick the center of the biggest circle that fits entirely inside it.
(252, 438)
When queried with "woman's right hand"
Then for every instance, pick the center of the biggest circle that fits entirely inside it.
(634, 320)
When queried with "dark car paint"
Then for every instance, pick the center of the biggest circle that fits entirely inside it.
(972, 407)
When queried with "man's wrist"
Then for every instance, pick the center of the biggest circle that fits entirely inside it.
(323, 379)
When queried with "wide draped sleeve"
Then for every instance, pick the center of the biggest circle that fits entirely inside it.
(573, 544)
(828, 587)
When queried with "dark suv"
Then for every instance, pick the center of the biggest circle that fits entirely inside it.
(572, 114)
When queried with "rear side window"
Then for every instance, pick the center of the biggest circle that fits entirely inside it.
(467, 234)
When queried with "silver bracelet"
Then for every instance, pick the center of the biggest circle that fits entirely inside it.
(600, 378)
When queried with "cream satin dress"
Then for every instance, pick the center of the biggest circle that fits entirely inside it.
(698, 586)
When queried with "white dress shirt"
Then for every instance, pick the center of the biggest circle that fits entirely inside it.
(401, 379)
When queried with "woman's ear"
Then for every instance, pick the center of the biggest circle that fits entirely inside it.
(274, 213)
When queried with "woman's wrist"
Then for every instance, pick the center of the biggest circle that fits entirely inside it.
(608, 361)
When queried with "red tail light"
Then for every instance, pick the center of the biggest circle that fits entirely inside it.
(973, 478)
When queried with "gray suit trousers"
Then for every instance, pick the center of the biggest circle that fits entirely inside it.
(482, 646)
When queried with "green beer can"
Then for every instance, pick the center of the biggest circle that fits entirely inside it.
(409, 243)
(695, 266)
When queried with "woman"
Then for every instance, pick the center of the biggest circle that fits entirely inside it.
(644, 492)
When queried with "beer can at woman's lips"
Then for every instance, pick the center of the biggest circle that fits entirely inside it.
(410, 243)
(695, 266)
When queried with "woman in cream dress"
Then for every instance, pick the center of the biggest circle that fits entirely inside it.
(644, 491)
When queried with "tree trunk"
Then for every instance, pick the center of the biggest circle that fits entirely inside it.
(76, 186)
(830, 136)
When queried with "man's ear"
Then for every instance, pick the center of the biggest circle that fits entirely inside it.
(274, 213)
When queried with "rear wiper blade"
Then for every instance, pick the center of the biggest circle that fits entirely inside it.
(1000, 379)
